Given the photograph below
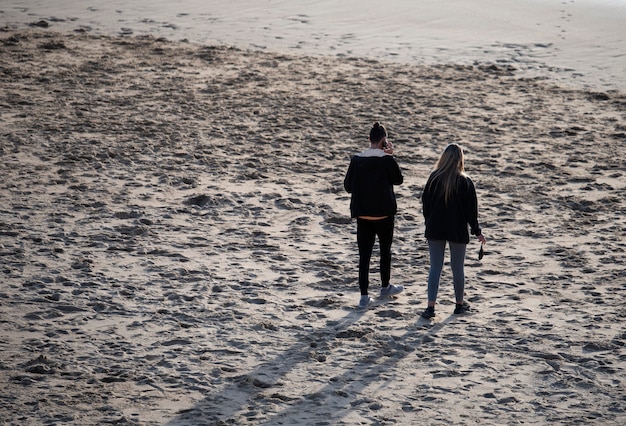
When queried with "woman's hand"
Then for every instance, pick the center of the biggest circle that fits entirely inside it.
(481, 238)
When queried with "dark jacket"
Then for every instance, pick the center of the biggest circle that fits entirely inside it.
(370, 179)
(450, 222)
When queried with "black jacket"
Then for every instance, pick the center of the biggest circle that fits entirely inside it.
(450, 222)
(370, 179)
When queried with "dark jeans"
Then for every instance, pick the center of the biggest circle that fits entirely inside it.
(366, 233)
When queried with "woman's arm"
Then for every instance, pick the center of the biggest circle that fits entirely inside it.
(471, 206)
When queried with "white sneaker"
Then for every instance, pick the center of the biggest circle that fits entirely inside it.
(391, 290)
(365, 300)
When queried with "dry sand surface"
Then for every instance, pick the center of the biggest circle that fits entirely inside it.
(176, 247)
(581, 43)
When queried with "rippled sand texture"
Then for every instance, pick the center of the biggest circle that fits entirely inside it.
(176, 246)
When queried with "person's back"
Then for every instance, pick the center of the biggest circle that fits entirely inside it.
(448, 220)
(449, 207)
(370, 179)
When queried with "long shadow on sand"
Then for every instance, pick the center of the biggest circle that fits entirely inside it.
(247, 399)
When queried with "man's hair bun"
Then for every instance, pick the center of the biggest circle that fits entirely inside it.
(377, 133)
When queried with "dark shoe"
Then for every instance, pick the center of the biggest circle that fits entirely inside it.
(429, 312)
(461, 308)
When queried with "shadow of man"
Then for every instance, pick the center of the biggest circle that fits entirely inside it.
(260, 397)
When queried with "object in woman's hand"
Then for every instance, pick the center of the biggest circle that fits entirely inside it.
(481, 252)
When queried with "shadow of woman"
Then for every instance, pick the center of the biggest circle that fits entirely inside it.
(260, 397)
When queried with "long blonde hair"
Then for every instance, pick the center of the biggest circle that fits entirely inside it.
(451, 164)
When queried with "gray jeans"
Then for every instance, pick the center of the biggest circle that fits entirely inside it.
(437, 250)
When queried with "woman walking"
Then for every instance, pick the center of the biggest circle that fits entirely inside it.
(449, 206)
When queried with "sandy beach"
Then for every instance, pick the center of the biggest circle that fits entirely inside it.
(176, 245)
(575, 43)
